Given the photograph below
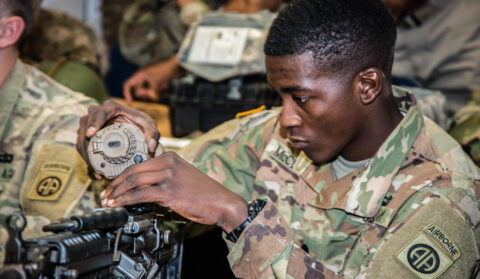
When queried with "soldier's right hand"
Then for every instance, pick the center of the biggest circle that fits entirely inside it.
(149, 83)
(111, 112)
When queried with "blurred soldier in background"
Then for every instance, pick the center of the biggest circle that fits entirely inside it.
(438, 46)
(152, 30)
(67, 50)
(149, 82)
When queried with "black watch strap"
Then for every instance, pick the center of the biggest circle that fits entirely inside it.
(254, 207)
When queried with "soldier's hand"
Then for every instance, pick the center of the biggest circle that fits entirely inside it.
(109, 112)
(172, 182)
(149, 83)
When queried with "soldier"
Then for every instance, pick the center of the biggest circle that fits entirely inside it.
(41, 173)
(347, 180)
(67, 50)
(152, 30)
(149, 82)
(438, 46)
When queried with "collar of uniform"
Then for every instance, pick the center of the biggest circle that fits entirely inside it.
(361, 193)
(10, 92)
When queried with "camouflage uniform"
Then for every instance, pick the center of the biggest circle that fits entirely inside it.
(466, 127)
(56, 35)
(151, 31)
(410, 211)
(41, 173)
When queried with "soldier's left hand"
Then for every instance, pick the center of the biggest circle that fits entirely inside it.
(172, 182)
(109, 112)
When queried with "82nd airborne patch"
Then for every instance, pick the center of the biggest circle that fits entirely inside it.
(430, 253)
(50, 182)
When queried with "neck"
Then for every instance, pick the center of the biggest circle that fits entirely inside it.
(8, 58)
(378, 123)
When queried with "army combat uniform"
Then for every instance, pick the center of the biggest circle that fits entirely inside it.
(410, 212)
(41, 172)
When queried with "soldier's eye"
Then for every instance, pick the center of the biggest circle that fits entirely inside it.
(301, 99)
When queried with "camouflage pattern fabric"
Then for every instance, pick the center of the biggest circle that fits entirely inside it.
(41, 173)
(112, 15)
(409, 212)
(433, 105)
(252, 57)
(466, 127)
(150, 32)
(55, 35)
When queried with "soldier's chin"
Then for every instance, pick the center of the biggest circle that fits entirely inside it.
(317, 159)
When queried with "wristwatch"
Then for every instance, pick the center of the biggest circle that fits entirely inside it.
(254, 207)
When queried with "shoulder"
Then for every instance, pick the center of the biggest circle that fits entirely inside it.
(50, 93)
(433, 232)
(250, 127)
(438, 145)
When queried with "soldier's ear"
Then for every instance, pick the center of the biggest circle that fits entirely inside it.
(369, 84)
(11, 29)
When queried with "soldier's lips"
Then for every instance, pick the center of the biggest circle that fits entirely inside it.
(298, 143)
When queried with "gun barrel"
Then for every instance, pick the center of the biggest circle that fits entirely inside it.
(100, 219)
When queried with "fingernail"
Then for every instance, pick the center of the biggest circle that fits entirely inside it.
(104, 203)
(102, 194)
(151, 145)
(91, 131)
(110, 202)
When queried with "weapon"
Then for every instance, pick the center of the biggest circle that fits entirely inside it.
(133, 242)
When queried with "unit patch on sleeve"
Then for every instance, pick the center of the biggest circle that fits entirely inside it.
(430, 253)
(50, 181)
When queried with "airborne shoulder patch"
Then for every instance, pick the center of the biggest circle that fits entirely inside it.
(50, 181)
(429, 253)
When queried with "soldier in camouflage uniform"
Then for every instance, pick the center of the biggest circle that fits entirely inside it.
(67, 50)
(41, 173)
(55, 35)
(347, 180)
(252, 16)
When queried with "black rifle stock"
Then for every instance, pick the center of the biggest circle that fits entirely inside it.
(139, 242)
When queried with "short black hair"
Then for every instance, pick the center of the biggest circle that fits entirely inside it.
(344, 36)
(21, 8)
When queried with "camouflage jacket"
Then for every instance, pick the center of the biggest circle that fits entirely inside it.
(41, 173)
(410, 212)
(466, 127)
(57, 36)
(150, 32)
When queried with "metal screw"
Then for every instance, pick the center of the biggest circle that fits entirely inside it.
(138, 267)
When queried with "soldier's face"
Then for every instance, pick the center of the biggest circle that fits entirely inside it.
(320, 113)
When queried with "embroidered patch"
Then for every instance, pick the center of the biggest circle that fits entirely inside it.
(281, 154)
(430, 253)
(51, 181)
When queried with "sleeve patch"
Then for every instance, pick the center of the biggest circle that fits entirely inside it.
(50, 181)
(429, 253)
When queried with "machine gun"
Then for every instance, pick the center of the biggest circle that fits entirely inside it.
(133, 242)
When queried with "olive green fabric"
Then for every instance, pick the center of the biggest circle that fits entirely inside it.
(78, 77)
